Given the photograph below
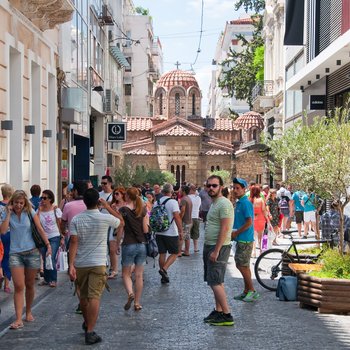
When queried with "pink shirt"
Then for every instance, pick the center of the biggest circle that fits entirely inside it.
(72, 209)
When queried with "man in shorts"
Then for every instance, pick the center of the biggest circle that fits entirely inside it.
(298, 209)
(168, 241)
(243, 234)
(88, 257)
(216, 251)
(186, 217)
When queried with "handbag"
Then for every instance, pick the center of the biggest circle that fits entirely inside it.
(39, 242)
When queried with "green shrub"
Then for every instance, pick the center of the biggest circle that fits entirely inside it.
(334, 264)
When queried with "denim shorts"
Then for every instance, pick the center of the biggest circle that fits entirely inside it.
(29, 259)
(134, 254)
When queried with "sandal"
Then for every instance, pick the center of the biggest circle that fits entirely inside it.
(53, 284)
(129, 302)
(137, 307)
(7, 290)
(16, 325)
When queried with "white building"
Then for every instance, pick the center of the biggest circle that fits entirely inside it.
(268, 95)
(144, 53)
(220, 103)
(28, 93)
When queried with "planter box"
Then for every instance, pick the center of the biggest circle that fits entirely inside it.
(292, 258)
(327, 295)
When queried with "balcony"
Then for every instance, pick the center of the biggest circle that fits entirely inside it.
(43, 13)
(262, 96)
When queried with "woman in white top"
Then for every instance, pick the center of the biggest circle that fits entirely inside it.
(50, 219)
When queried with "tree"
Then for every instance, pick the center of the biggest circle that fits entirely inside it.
(142, 11)
(258, 63)
(126, 176)
(250, 5)
(318, 157)
(224, 174)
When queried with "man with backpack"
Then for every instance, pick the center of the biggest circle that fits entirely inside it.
(166, 222)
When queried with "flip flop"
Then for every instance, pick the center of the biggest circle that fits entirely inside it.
(15, 325)
(31, 319)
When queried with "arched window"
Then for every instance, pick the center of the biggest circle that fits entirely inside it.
(254, 135)
(217, 167)
(212, 168)
(177, 104)
(183, 174)
(172, 169)
(193, 104)
(161, 104)
(177, 175)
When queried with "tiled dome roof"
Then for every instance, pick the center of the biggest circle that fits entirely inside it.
(249, 120)
(177, 77)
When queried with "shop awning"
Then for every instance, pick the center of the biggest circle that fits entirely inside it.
(119, 56)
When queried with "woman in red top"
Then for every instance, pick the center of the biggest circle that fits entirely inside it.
(260, 216)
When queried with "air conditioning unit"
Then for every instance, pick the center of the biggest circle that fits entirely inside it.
(111, 102)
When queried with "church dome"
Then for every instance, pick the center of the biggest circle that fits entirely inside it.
(177, 77)
(249, 120)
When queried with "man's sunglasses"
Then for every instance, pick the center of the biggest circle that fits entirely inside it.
(44, 198)
(103, 183)
(212, 185)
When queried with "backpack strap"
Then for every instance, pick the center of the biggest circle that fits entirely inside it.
(168, 199)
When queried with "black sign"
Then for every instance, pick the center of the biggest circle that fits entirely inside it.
(116, 132)
(317, 102)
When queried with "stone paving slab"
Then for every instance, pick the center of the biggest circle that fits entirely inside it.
(172, 318)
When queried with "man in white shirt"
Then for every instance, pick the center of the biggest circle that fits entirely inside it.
(87, 258)
(107, 195)
(196, 203)
(168, 241)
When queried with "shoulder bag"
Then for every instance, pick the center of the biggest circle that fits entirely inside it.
(39, 242)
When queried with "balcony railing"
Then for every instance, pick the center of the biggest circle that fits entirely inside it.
(262, 88)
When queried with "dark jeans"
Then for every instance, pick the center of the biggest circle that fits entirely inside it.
(51, 275)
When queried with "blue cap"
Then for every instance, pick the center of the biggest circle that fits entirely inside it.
(238, 180)
(70, 187)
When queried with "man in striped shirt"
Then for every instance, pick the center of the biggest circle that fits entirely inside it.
(88, 257)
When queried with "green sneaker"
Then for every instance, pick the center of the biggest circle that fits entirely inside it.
(222, 319)
(240, 296)
(251, 296)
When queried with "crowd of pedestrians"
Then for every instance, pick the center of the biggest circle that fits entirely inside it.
(96, 227)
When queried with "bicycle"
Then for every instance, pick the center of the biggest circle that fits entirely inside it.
(273, 263)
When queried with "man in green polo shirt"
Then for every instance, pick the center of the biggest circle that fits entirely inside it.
(216, 251)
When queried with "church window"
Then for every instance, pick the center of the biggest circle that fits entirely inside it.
(172, 169)
(193, 104)
(218, 167)
(183, 174)
(177, 104)
(161, 104)
(177, 175)
(254, 134)
(212, 168)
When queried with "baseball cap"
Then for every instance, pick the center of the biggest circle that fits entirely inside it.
(238, 180)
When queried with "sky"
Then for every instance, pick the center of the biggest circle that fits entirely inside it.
(177, 23)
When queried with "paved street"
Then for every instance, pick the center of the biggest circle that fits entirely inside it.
(172, 318)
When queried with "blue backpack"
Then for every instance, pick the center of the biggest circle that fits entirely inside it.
(287, 288)
(159, 219)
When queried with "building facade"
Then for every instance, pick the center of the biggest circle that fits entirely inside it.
(318, 70)
(29, 56)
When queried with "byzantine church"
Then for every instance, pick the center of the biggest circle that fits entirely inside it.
(177, 139)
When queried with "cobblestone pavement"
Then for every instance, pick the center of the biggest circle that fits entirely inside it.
(172, 317)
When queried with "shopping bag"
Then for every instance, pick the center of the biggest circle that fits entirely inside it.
(62, 260)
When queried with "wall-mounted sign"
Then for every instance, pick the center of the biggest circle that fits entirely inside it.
(116, 132)
(317, 101)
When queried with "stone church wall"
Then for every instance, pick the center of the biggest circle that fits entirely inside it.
(250, 166)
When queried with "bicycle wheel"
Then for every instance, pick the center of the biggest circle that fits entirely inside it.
(268, 268)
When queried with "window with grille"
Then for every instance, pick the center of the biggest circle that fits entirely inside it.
(177, 104)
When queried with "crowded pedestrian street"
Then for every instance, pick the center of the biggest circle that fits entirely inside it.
(172, 317)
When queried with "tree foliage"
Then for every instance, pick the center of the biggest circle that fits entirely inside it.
(126, 176)
(258, 63)
(224, 174)
(255, 6)
(142, 11)
(239, 70)
(318, 157)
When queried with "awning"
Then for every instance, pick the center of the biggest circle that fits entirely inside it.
(119, 56)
